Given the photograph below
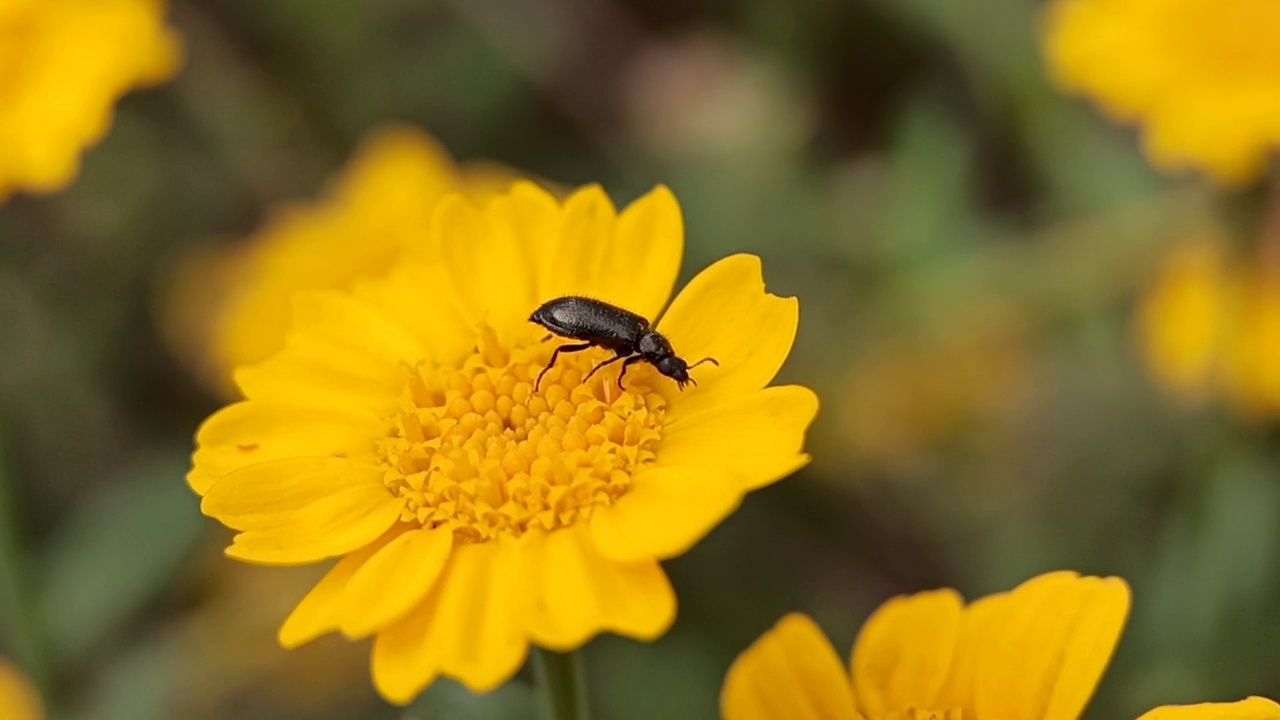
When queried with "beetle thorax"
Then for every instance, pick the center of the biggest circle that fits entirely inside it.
(653, 346)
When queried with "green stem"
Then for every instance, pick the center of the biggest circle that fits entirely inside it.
(560, 681)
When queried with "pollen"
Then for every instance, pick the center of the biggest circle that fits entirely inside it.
(476, 449)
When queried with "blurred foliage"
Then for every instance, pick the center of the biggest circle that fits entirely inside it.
(967, 245)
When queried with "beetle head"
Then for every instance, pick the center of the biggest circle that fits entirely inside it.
(676, 369)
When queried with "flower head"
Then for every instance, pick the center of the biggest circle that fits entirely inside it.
(63, 65)
(1210, 326)
(18, 698)
(911, 394)
(1034, 653)
(228, 308)
(1201, 76)
(400, 430)
(1180, 322)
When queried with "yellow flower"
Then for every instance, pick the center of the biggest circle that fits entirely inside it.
(1210, 326)
(18, 699)
(1034, 653)
(1182, 316)
(911, 395)
(400, 430)
(231, 307)
(1251, 355)
(1201, 76)
(63, 65)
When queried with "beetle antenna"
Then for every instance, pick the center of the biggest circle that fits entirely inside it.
(711, 360)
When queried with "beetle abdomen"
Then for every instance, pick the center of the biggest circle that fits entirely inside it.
(583, 318)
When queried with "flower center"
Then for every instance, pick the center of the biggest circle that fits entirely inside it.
(479, 450)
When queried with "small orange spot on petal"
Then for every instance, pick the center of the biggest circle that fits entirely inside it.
(247, 447)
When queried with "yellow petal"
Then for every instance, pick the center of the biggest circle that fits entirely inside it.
(469, 628)
(639, 268)
(490, 268)
(1046, 655)
(571, 261)
(355, 328)
(790, 673)
(1254, 708)
(904, 651)
(580, 593)
(666, 511)
(321, 610)
(302, 510)
(724, 313)
(395, 580)
(342, 352)
(312, 373)
(978, 621)
(536, 216)
(758, 436)
(440, 325)
(398, 173)
(252, 432)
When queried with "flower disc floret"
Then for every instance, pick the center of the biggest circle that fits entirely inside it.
(479, 451)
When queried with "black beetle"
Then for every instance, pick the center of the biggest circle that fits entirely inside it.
(599, 324)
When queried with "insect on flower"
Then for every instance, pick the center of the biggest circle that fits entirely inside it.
(473, 515)
(628, 335)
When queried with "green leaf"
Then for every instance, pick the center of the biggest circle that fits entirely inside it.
(117, 552)
(139, 684)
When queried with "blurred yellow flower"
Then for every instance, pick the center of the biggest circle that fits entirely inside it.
(1210, 326)
(231, 307)
(400, 430)
(1034, 653)
(909, 396)
(1182, 316)
(18, 699)
(63, 65)
(1251, 362)
(1201, 76)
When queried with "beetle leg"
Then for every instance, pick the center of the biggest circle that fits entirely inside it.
(630, 361)
(610, 361)
(556, 354)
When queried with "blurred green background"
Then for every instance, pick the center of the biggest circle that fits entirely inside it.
(968, 247)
